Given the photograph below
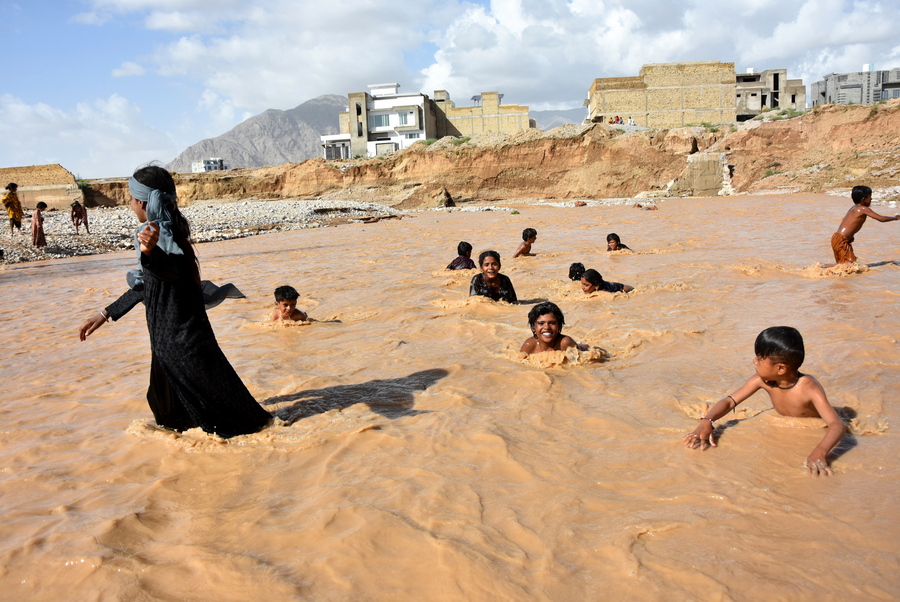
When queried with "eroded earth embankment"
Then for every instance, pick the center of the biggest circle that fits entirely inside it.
(831, 147)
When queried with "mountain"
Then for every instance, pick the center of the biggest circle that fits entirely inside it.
(270, 138)
(547, 120)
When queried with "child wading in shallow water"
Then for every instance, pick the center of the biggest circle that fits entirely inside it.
(841, 241)
(546, 322)
(286, 305)
(191, 382)
(779, 355)
(529, 235)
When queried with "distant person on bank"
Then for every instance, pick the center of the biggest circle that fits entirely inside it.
(13, 208)
(37, 226)
(79, 216)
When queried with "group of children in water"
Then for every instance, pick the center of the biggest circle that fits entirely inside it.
(779, 350)
(192, 383)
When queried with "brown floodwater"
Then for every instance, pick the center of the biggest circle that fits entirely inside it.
(418, 457)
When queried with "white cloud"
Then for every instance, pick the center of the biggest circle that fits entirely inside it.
(105, 137)
(128, 68)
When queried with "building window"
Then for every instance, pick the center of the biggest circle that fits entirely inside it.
(359, 131)
(404, 118)
(379, 121)
(793, 99)
(896, 93)
(411, 136)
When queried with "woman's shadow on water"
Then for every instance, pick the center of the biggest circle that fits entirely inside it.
(391, 398)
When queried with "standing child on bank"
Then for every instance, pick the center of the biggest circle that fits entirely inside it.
(841, 241)
(37, 226)
(286, 305)
(779, 355)
(78, 215)
(529, 235)
(13, 208)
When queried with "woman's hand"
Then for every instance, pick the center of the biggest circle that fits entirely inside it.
(148, 237)
(91, 325)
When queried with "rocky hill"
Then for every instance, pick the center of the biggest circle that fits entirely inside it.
(270, 138)
(833, 147)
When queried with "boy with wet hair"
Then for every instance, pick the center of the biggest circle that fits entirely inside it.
(464, 261)
(286, 305)
(779, 355)
(529, 235)
(841, 241)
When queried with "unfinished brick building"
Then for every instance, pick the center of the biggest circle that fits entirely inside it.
(667, 95)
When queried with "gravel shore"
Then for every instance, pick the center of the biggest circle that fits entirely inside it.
(112, 229)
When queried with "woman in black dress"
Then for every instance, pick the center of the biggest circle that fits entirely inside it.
(191, 382)
(490, 282)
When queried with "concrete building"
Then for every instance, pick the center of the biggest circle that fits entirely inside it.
(770, 89)
(383, 120)
(667, 95)
(486, 115)
(864, 87)
(211, 164)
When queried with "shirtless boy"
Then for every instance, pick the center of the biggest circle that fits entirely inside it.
(529, 235)
(546, 322)
(286, 305)
(841, 241)
(779, 354)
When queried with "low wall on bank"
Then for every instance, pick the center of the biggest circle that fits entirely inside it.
(57, 196)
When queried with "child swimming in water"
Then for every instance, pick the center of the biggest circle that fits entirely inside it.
(546, 322)
(576, 271)
(614, 243)
(286, 305)
(529, 235)
(490, 282)
(779, 355)
(464, 261)
(592, 281)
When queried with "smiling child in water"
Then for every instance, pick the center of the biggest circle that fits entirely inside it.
(546, 322)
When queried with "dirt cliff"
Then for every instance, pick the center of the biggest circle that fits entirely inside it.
(832, 147)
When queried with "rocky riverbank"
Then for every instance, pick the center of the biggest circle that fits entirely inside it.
(112, 229)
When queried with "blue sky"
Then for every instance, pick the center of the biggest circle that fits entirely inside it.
(102, 86)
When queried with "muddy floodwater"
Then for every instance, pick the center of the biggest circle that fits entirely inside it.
(416, 456)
